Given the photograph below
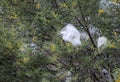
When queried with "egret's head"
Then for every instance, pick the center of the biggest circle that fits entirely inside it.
(70, 34)
(61, 34)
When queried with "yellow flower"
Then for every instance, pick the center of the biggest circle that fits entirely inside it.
(118, 80)
(22, 49)
(48, 21)
(9, 45)
(37, 6)
(63, 5)
(14, 16)
(116, 1)
(112, 46)
(15, 1)
(115, 33)
(68, 44)
(34, 39)
(52, 47)
(13, 32)
(53, 59)
(19, 43)
(74, 4)
(25, 59)
(100, 11)
(54, 14)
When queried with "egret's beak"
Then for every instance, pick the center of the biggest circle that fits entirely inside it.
(60, 35)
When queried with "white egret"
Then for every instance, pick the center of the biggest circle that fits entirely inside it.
(101, 43)
(71, 34)
(84, 36)
(69, 77)
(94, 31)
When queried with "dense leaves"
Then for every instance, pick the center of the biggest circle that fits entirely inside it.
(31, 49)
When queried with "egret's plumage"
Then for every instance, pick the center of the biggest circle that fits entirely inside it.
(101, 43)
(94, 31)
(71, 34)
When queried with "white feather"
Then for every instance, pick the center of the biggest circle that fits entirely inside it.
(71, 34)
(94, 31)
(101, 43)
(69, 77)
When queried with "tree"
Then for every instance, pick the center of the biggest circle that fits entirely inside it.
(39, 22)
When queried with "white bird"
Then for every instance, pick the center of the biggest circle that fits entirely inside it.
(94, 31)
(69, 77)
(71, 34)
(84, 36)
(101, 43)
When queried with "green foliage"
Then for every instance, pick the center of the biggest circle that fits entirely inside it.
(23, 22)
